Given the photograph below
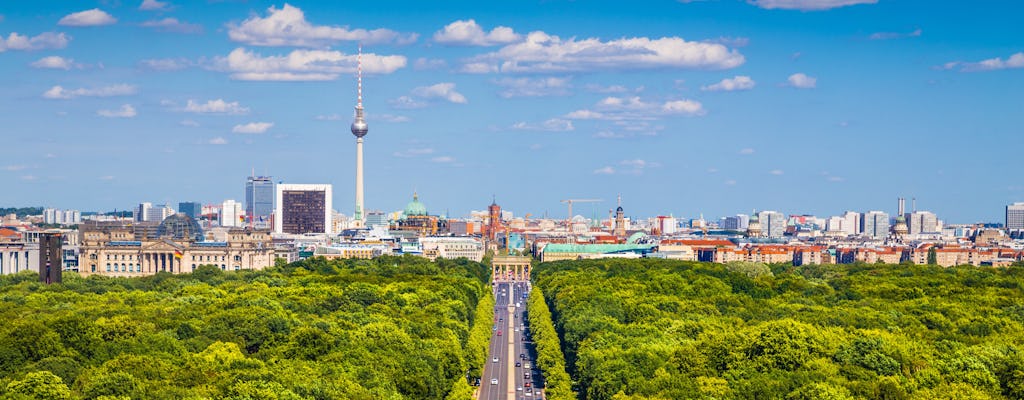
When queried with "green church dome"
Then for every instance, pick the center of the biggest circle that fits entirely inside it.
(415, 207)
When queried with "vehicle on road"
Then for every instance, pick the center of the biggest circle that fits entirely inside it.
(494, 381)
(519, 364)
(528, 384)
(499, 333)
(495, 359)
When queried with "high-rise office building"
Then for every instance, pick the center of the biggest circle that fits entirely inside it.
(851, 223)
(231, 214)
(376, 218)
(259, 200)
(142, 211)
(303, 208)
(737, 222)
(919, 222)
(773, 223)
(1015, 216)
(875, 224)
(191, 208)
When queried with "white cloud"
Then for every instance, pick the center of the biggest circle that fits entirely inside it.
(172, 25)
(154, 5)
(422, 64)
(218, 106)
(329, 117)
(776, 172)
(807, 5)
(287, 26)
(527, 87)
(165, 64)
(14, 168)
(55, 62)
(730, 182)
(29, 177)
(443, 159)
(992, 64)
(387, 118)
(252, 127)
(551, 125)
(106, 178)
(606, 170)
(420, 151)
(731, 41)
(634, 108)
(895, 35)
(835, 179)
(45, 40)
(407, 102)
(747, 151)
(740, 82)
(58, 92)
(218, 140)
(126, 111)
(469, 33)
(802, 81)
(443, 90)
(93, 17)
(302, 65)
(541, 52)
(189, 123)
(593, 87)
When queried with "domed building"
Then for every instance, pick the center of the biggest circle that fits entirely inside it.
(415, 219)
(754, 226)
(180, 227)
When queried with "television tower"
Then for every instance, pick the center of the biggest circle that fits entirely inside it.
(359, 129)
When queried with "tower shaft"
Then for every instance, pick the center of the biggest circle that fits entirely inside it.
(359, 215)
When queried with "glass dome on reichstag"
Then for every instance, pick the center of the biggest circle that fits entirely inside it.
(180, 227)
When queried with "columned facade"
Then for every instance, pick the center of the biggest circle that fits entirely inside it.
(510, 268)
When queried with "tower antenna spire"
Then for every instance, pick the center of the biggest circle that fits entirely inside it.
(359, 78)
(359, 129)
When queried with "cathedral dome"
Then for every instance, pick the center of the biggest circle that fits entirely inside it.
(415, 207)
(180, 226)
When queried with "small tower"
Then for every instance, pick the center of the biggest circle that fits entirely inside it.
(620, 220)
(754, 226)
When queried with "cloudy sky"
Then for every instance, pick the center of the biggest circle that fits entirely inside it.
(684, 107)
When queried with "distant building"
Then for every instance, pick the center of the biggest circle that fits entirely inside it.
(737, 222)
(56, 216)
(259, 200)
(452, 248)
(376, 218)
(303, 208)
(231, 214)
(773, 223)
(851, 223)
(141, 211)
(192, 209)
(919, 222)
(416, 219)
(1015, 216)
(875, 224)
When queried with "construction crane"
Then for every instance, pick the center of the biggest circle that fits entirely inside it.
(570, 201)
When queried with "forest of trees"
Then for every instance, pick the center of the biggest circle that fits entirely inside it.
(388, 328)
(660, 329)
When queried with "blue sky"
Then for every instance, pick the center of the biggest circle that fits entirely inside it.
(713, 107)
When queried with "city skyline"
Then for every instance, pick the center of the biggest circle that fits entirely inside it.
(684, 107)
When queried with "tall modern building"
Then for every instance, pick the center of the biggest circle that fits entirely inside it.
(303, 208)
(359, 129)
(231, 214)
(141, 211)
(919, 222)
(1015, 216)
(737, 222)
(259, 200)
(191, 208)
(773, 223)
(875, 224)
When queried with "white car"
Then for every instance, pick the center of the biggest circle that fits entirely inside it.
(494, 381)
(495, 359)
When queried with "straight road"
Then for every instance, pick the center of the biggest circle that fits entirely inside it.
(503, 379)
